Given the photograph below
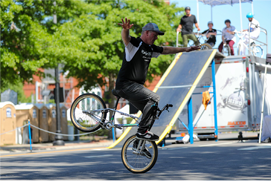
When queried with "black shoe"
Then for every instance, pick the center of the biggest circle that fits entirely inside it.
(147, 136)
(135, 145)
(144, 152)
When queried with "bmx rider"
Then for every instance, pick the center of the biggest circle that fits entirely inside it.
(133, 72)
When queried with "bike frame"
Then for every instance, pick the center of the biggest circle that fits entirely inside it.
(242, 44)
(199, 36)
(91, 113)
(108, 124)
(262, 43)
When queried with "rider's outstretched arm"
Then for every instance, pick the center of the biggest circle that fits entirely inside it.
(126, 26)
(179, 28)
(173, 50)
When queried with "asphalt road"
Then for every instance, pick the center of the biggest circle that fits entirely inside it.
(203, 160)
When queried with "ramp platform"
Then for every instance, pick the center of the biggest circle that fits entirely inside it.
(176, 87)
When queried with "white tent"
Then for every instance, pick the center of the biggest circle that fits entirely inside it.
(224, 2)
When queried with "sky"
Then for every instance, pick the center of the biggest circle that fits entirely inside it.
(262, 13)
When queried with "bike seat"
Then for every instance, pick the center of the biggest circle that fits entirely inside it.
(116, 93)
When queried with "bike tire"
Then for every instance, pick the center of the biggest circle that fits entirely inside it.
(205, 46)
(239, 49)
(73, 117)
(126, 163)
(258, 49)
(228, 50)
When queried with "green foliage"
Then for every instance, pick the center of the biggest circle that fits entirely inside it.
(100, 33)
(27, 41)
(86, 38)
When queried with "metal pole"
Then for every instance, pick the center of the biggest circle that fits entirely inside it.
(30, 139)
(261, 125)
(58, 139)
(266, 41)
(249, 48)
(252, 9)
(190, 120)
(177, 39)
(198, 11)
(212, 13)
(214, 95)
(240, 6)
(254, 86)
(251, 93)
(113, 135)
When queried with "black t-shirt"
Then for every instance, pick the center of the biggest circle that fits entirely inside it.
(187, 24)
(136, 60)
(212, 38)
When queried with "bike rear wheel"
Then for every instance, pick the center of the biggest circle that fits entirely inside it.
(137, 162)
(205, 46)
(257, 51)
(81, 113)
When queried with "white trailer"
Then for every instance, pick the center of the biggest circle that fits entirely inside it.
(239, 88)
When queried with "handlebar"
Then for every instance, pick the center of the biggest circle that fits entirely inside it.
(165, 108)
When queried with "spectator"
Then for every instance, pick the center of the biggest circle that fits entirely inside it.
(254, 31)
(228, 36)
(186, 27)
(210, 34)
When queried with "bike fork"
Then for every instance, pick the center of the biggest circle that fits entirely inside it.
(139, 145)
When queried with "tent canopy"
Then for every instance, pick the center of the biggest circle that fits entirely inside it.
(222, 2)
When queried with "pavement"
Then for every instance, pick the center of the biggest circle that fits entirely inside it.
(204, 160)
(225, 159)
(49, 146)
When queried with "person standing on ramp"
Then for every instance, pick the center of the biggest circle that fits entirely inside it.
(186, 26)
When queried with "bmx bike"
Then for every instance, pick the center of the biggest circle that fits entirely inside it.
(226, 50)
(200, 37)
(256, 50)
(89, 113)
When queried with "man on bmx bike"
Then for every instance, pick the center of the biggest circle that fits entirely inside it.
(133, 72)
(253, 28)
(228, 36)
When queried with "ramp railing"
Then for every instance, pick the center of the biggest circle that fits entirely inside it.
(261, 43)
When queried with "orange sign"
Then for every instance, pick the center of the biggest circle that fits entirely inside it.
(237, 123)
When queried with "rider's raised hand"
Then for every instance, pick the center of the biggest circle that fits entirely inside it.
(126, 24)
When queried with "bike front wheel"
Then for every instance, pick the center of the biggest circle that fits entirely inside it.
(136, 160)
(226, 50)
(87, 112)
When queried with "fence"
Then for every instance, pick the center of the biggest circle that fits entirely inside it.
(46, 131)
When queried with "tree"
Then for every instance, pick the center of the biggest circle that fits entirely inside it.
(86, 38)
(99, 33)
(27, 30)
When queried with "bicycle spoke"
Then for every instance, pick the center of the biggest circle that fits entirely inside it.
(80, 109)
